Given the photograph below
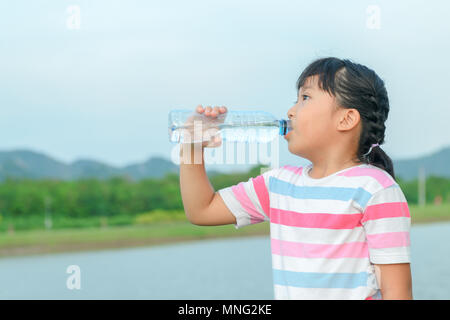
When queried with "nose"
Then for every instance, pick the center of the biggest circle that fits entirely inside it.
(290, 114)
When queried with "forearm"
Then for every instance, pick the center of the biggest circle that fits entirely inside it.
(397, 291)
(395, 281)
(393, 295)
(195, 187)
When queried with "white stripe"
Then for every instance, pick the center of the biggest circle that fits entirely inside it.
(322, 265)
(289, 176)
(369, 183)
(390, 255)
(283, 202)
(271, 173)
(397, 224)
(295, 293)
(390, 194)
(316, 235)
(242, 217)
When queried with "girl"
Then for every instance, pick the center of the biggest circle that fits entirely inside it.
(339, 226)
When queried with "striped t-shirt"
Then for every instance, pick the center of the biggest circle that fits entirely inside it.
(326, 234)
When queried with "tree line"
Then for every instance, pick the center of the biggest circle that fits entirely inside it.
(93, 197)
(123, 197)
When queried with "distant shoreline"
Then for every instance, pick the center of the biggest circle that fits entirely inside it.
(50, 242)
(30, 243)
(89, 247)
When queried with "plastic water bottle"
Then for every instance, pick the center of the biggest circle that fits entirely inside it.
(239, 126)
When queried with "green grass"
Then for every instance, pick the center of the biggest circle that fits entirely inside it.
(158, 232)
(429, 213)
(36, 222)
(39, 241)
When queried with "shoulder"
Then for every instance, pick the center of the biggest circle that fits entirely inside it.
(369, 181)
(382, 187)
(370, 177)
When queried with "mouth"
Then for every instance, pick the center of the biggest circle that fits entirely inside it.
(287, 135)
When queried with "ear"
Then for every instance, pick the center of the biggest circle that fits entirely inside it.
(348, 119)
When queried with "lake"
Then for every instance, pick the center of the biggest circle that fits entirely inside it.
(233, 268)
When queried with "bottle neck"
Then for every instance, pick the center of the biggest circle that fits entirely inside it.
(285, 126)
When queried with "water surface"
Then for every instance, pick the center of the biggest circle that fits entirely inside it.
(234, 268)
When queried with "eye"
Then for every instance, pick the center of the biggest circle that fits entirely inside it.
(303, 95)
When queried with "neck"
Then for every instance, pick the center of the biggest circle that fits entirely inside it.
(325, 167)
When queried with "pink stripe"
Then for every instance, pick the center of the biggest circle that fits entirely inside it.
(315, 220)
(386, 210)
(388, 240)
(263, 195)
(297, 170)
(330, 251)
(246, 203)
(384, 179)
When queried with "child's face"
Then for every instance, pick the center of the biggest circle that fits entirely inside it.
(313, 121)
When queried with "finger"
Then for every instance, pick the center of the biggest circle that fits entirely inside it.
(209, 143)
(223, 109)
(208, 110)
(212, 142)
(217, 140)
(199, 108)
(215, 112)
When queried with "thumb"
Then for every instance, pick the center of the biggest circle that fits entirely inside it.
(215, 141)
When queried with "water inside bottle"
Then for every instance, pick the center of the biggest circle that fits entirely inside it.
(251, 133)
(255, 132)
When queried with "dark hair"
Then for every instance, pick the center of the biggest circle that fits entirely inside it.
(358, 87)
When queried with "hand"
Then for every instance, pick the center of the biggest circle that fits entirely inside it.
(214, 116)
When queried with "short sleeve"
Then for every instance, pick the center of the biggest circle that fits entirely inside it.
(386, 221)
(249, 200)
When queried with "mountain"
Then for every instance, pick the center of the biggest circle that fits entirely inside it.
(437, 164)
(86, 168)
(34, 165)
(155, 167)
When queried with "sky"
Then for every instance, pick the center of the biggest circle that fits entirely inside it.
(95, 79)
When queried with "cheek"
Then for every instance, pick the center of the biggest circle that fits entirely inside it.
(312, 123)
(305, 122)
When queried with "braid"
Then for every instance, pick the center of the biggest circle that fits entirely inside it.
(374, 131)
(375, 127)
